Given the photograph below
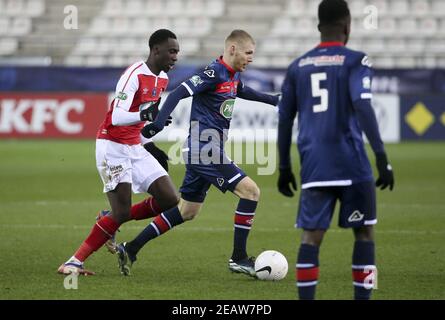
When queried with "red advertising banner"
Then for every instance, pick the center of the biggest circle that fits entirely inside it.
(51, 115)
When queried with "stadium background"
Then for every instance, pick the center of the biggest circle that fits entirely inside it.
(59, 63)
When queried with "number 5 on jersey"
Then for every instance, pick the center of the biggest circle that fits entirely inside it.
(318, 92)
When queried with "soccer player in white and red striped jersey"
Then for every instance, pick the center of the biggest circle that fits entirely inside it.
(123, 163)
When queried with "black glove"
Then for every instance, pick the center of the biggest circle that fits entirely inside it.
(158, 154)
(151, 112)
(287, 177)
(150, 130)
(386, 176)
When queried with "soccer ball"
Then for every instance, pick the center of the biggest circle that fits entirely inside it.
(271, 265)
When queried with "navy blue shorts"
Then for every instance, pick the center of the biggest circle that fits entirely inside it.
(199, 177)
(357, 206)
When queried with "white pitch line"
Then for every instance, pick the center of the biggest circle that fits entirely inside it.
(210, 229)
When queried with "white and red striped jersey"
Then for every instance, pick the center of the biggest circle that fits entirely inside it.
(136, 86)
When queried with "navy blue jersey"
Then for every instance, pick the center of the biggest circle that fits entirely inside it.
(322, 86)
(214, 90)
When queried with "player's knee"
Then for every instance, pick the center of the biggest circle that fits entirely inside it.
(312, 237)
(251, 192)
(365, 233)
(169, 201)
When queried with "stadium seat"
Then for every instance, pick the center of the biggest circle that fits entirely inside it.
(182, 26)
(189, 46)
(260, 61)
(395, 46)
(154, 8)
(194, 8)
(120, 25)
(420, 8)
(114, 8)
(140, 26)
(428, 62)
(440, 28)
(440, 62)
(117, 61)
(437, 8)
(35, 8)
(134, 8)
(405, 62)
(20, 26)
(100, 26)
(416, 46)
(283, 26)
(161, 22)
(383, 62)
(105, 45)
(201, 26)
(304, 26)
(399, 8)
(382, 6)
(295, 8)
(73, 60)
(436, 46)
(4, 25)
(387, 27)
(14, 8)
(357, 8)
(85, 46)
(428, 26)
(279, 61)
(95, 61)
(174, 7)
(214, 8)
(407, 27)
(8, 46)
(374, 46)
(271, 45)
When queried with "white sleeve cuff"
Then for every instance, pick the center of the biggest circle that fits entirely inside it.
(120, 117)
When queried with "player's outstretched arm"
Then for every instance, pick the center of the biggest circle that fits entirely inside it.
(245, 92)
(170, 104)
(368, 122)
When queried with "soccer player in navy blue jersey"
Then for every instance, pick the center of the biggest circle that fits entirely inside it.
(214, 90)
(329, 88)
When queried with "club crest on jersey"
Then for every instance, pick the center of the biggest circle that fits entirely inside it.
(356, 216)
(153, 92)
(121, 96)
(196, 80)
(210, 73)
(226, 109)
(220, 181)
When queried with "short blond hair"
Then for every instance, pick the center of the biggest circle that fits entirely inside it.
(239, 36)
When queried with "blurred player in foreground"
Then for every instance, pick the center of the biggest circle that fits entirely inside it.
(123, 163)
(329, 88)
(214, 90)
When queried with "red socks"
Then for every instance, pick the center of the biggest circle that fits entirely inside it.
(101, 232)
(105, 228)
(148, 208)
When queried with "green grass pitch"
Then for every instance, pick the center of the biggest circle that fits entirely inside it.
(50, 194)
